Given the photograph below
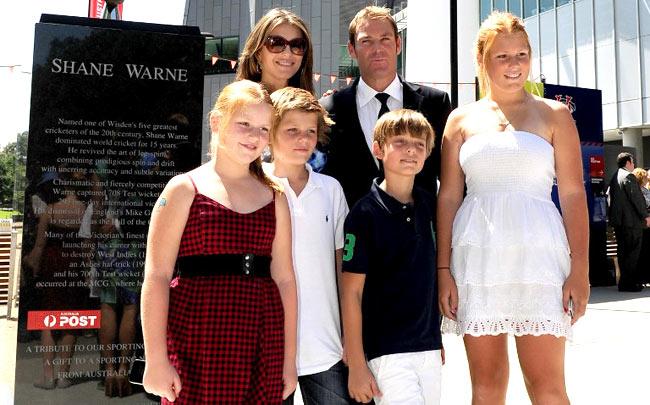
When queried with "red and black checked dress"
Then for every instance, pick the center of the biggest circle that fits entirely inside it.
(225, 333)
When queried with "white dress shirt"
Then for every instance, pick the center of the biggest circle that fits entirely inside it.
(368, 106)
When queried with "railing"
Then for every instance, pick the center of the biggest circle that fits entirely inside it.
(5, 258)
(9, 264)
(612, 251)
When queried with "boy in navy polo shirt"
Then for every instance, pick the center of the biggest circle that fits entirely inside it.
(389, 292)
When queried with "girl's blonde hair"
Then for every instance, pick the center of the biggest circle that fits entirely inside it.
(641, 176)
(496, 23)
(233, 97)
(249, 60)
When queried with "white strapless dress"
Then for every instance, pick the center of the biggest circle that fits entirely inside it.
(510, 255)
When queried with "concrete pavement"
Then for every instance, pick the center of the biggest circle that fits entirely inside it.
(608, 361)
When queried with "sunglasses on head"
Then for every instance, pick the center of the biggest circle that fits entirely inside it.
(277, 44)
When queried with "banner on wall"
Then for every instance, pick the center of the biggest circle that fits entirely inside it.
(587, 111)
(116, 111)
(106, 9)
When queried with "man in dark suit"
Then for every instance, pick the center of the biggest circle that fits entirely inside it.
(374, 43)
(628, 216)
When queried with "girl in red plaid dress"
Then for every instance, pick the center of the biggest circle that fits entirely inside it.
(219, 294)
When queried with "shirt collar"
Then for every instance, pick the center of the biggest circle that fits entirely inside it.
(367, 93)
(390, 203)
(313, 181)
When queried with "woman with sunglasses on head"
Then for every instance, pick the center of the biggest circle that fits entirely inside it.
(278, 52)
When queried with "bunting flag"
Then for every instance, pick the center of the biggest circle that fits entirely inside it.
(233, 64)
(333, 78)
(215, 58)
(317, 76)
(15, 69)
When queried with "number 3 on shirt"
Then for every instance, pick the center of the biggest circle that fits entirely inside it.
(348, 249)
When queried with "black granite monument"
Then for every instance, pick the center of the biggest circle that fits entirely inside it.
(116, 111)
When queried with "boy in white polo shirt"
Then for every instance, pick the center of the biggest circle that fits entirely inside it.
(318, 209)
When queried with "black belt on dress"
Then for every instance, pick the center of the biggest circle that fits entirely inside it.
(245, 264)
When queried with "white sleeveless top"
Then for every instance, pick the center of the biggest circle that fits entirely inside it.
(510, 254)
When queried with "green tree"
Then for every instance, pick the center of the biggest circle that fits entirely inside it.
(13, 159)
(20, 173)
(7, 173)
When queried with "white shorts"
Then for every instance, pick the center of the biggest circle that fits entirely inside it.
(408, 378)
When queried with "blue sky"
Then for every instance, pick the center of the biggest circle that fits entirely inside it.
(17, 45)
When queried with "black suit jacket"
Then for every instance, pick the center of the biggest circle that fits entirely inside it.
(349, 159)
(626, 203)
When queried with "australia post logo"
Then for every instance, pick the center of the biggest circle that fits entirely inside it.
(45, 320)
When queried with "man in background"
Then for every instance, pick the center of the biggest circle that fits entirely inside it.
(628, 216)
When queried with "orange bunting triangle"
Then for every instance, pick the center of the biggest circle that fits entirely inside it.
(232, 64)
(348, 80)
(316, 76)
(214, 60)
(332, 78)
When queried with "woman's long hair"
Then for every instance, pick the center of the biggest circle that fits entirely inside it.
(249, 66)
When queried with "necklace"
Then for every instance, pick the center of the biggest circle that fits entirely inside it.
(504, 122)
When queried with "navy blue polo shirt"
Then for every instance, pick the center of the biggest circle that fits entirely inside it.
(393, 244)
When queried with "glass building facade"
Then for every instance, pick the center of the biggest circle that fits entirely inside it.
(602, 44)
(520, 8)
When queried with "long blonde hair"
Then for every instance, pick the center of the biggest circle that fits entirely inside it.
(233, 97)
(496, 23)
(249, 66)
(641, 176)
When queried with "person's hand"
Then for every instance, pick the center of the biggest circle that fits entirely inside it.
(289, 379)
(576, 291)
(329, 92)
(647, 222)
(110, 386)
(117, 386)
(447, 294)
(124, 388)
(162, 380)
(362, 384)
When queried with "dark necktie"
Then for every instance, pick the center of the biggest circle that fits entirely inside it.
(383, 98)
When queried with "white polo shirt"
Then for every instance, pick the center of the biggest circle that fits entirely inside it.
(317, 217)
